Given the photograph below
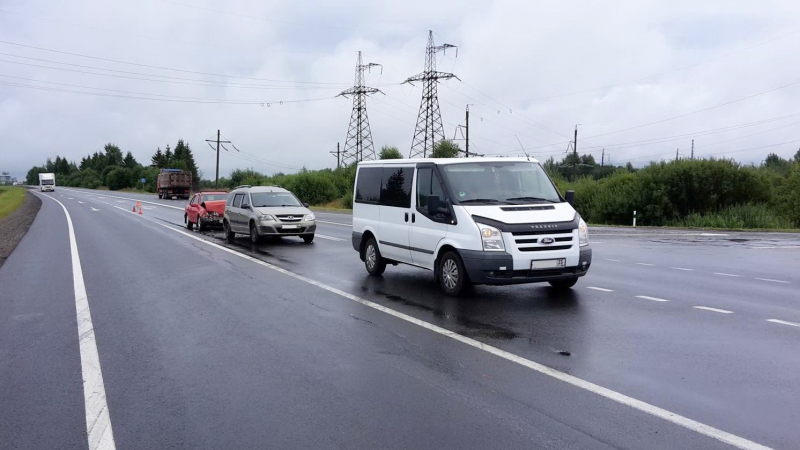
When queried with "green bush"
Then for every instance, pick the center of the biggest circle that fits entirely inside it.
(738, 217)
(119, 178)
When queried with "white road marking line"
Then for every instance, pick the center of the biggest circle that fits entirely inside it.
(98, 420)
(613, 260)
(759, 248)
(618, 397)
(143, 201)
(595, 242)
(644, 264)
(772, 281)
(70, 198)
(80, 202)
(330, 238)
(599, 289)
(94, 209)
(706, 308)
(783, 322)
(713, 234)
(681, 268)
(726, 274)
(655, 299)
(336, 223)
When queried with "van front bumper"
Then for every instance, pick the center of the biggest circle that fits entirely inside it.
(498, 268)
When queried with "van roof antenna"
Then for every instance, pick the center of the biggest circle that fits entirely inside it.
(523, 147)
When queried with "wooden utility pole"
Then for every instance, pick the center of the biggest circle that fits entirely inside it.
(218, 141)
(603, 158)
(338, 156)
(692, 148)
(467, 127)
(575, 155)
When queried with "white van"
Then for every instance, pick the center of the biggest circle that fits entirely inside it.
(470, 221)
(47, 182)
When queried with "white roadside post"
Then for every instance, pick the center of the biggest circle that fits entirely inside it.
(634, 219)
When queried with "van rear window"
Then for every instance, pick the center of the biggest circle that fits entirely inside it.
(368, 185)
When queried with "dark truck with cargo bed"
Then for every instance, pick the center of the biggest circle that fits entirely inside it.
(174, 183)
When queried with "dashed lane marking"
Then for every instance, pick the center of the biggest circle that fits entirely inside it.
(595, 288)
(707, 308)
(783, 322)
(335, 223)
(669, 416)
(655, 299)
(726, 274)
(613, 260)
(645, 264)
(772, 281)
(143, 201)
(681, 268)
(330, 238)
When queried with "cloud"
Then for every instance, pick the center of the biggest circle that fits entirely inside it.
(530, 69)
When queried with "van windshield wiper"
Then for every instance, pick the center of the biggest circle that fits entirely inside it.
(532, 199)
(482, 200)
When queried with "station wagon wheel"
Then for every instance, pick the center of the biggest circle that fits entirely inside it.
(253, 234)
(451, 274)
(373, 260)
(226, 227)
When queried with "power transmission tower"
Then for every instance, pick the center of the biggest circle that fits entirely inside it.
(358, 145)
(216, 180)
(430, 130)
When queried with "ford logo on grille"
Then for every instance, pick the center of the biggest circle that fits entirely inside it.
(547, 241)
(544, 226)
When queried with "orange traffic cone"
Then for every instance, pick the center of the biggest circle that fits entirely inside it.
(140, 210)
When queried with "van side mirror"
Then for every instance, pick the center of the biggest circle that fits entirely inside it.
(570, 197)
(433, 205)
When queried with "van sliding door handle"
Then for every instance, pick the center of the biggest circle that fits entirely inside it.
(406, 217)
(413, 218)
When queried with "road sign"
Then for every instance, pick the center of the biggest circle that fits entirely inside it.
(144, 180)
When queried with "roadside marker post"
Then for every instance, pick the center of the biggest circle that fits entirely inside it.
(634, 219)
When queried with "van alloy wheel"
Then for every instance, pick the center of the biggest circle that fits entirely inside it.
(450, 274)
(373, 261)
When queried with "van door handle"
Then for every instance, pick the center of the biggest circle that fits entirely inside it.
(406, 217)
(413, 218)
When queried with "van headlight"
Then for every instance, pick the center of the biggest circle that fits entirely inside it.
(309, 217)
(492, 238)
(266, 218)
(583, 233)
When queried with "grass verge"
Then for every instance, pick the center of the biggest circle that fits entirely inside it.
(10, 199)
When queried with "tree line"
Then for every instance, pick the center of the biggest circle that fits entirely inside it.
(110, 168)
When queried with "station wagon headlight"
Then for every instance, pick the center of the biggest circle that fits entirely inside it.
(583, 233)
(266, 218)
(309, 217)
(492, 238)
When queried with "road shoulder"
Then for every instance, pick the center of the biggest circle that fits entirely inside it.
(14, 226)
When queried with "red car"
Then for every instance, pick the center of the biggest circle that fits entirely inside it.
(205, 209)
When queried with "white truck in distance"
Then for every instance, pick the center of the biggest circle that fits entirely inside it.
(47, 182)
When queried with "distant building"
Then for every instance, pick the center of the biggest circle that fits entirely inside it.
(5, 178)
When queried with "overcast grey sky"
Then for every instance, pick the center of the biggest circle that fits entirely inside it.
(623, 70)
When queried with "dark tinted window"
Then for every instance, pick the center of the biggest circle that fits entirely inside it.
(396, 190)
(237, 201)
(427, 184)
(368, 185)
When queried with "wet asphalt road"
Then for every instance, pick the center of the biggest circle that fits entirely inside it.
(201, 349)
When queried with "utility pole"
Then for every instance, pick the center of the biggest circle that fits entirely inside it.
(603, 158)
(358, 145)
(692, 148)
(429, 130)
(218, 141)
(575, 155)
(467, 127)
(676, 153)
(338, 156)
(464, 129)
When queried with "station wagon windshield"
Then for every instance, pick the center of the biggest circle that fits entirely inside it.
(512, 182)
(267, 199)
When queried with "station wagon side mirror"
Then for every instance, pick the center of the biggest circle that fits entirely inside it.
(245, 206)
(305, 204)
(570, 197)
(433, 205)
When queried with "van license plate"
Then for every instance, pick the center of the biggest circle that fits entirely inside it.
(548, 264)
(291, 227)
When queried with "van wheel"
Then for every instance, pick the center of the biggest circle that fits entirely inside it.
(563, 284)
(229, 235)
(253, 234)
(373, 260)
(451, 274)
(188, 222)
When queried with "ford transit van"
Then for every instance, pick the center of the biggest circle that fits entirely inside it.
(469, 221)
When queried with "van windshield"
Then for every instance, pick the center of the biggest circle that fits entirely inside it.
(266, 199)
(514, 182)
(48, 182)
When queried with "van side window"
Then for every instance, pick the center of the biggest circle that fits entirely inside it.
(368, 186)
(427, 184)
(396, 189)
(237, 201)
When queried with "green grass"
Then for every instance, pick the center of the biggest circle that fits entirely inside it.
(740, 217)
(10, 199)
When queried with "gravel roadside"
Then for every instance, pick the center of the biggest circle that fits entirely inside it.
(14, 226)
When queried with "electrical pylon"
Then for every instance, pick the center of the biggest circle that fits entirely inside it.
(430, 130)
(358, 145)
